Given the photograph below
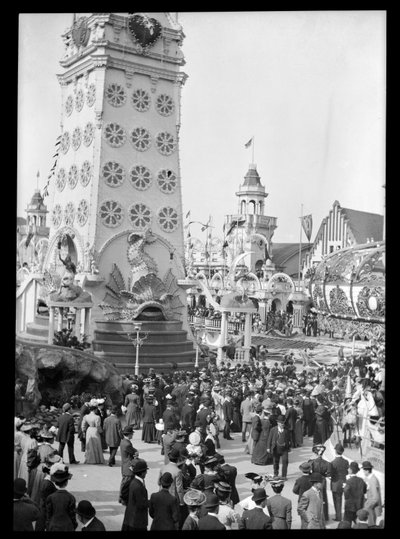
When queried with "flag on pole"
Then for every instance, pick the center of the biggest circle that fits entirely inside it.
(248, 144)
(235, 223)
(28, 239)
(306, 222)
(187, 215)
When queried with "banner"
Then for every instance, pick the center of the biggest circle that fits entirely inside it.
(307, 225)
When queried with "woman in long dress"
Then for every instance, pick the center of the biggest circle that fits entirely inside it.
(132, 403)
(44, 450)
(28, 443)
(260, 455)
(18, 436)
(255, 431)
(322, 421)
(149, 420)
(298, 428)
(91, 427)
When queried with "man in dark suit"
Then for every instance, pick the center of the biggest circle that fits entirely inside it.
(163, 506)
(322, 466)
(128, 455)
(339, 470)
(309, 405)
(302, 484)
(256, 519)
(188, 415)
(230, 474)
(87, 515)
(354, 493)
(136, 517)
(201, 419)
(210, 520)
(25, 510)
(290, 420)
(113, 433)
(279, 445)
(227, 408)
(169, 416)
(66, 433)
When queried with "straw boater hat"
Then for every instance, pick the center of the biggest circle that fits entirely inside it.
(277, 481)
(194, 438)
(223, 487)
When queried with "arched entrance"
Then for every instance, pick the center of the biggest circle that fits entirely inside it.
(289, 307)
(276, 305)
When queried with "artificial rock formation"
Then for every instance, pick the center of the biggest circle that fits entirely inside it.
(56, 373)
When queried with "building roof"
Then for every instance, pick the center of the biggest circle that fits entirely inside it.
(37, 203)
(283, 252)
(364, 225)
(252, 178)
(21, 221)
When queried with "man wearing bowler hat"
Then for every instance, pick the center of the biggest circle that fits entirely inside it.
(136, 517)
(302, 484)
(256, 519)
(279, 445)
(373, 503)
(210, 521)
(128, 456)
(25, 510)
(164, 507)
(310, 506)
(66, 433)
(354, 493)
(87, 515)
(362, 520)
(339, 470)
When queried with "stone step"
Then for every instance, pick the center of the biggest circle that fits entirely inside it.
(154, 335)
(32, 328)
(148, 347)
(33, 338)
(41, 320)
(162, 356)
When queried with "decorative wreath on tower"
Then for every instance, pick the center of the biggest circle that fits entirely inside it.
(144, 30)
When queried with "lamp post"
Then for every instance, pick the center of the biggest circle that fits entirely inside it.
(137, 342)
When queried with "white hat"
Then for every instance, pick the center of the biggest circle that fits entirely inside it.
(168, 397)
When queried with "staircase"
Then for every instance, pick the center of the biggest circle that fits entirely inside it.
(36, 331)
(166, 343)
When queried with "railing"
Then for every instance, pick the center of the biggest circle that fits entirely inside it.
(26, 302)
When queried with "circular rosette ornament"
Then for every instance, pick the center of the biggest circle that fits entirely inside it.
(144, 30)
(168, 219)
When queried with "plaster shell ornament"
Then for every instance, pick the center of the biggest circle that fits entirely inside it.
(65, 142)
(56, 216)
(79, 100)
(76, 138)
(111, 213)
(165, 105)
(144, 30)
(165, 143)
(113, 174)
(141, 263)
(91, 95)
(61, 179)
(167, 181)
(69, 214)
(140, 177)
(80, 32)
(82, 212)
(88, 134)
(140, 139)
(86, 173)
(73, 176)
(115, 94)
(149, 299)
(114, 134)
(141, 100)
(69, 105)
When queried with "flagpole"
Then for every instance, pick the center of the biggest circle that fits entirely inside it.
(252, 150)
(301, 227)
(209, 237)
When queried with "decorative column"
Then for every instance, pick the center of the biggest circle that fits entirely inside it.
(247, 337)
(51, 325)
(299, 299)
(223, 336)
(78, 323)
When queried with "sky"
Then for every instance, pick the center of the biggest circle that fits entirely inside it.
(309, 87)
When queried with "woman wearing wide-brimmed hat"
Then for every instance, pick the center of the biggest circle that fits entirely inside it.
(28, 444)
(193, 499)
(44, 449)
(91, 427)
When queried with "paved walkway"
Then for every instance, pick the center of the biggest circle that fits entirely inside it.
(100, 483)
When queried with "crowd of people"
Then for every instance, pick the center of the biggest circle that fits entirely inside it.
(185, 413)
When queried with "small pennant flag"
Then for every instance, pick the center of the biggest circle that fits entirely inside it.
(187, 215)
(307, 225)
(225, 245)
(235, 223)
(28, 239)
(248, 144)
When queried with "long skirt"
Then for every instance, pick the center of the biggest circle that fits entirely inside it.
(94, 450)
(17, 462)
(131, 415)
(298, 432)
(249, 446)
(148, 433)
(36, 481)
